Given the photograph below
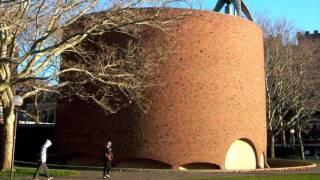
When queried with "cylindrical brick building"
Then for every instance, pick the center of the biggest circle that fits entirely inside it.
(209, 112)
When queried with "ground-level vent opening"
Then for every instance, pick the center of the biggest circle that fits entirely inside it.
(241, 155)
(143, 164)
(195, 166)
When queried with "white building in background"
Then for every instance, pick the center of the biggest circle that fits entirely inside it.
(47, 113)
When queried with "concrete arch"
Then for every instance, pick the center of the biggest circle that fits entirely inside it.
(241, 155)
(142, 163)
(254, 149)
(262, 161)
(199, 165)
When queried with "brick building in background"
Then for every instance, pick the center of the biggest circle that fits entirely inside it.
(311, 138)
(311, 41)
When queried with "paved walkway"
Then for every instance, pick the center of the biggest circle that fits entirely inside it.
(181, 175)
(92, 175)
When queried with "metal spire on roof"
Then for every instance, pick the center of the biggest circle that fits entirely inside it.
(239, 7)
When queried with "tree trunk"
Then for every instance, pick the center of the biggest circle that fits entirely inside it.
(301, 145)
(272, 150)
(283, 133)
(284, 139)
(8, 128)
(37, 109)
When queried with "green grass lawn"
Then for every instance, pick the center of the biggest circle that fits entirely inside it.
(271, 177)
(26, 171)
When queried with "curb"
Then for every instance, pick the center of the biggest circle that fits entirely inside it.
(95, 168)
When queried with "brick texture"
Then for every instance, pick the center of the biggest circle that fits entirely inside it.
(213, 94)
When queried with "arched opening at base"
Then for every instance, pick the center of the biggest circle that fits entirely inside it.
(240, 155)
(191, 166)
(143, 164)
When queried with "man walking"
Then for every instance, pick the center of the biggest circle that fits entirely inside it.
(43, 160)
(107, 157)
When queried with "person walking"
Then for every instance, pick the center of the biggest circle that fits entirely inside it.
(107, 158)
(43, 160)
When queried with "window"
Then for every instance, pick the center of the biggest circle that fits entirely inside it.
(47, 114)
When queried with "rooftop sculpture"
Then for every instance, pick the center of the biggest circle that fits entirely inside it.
(239, 6)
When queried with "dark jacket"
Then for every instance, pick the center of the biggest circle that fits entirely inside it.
(108, 155)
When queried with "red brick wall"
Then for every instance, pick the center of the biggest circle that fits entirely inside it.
(214, 94)
(311, 42)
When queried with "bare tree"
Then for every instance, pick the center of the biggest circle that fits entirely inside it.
(288, 96)
(33, 33)
(111, 76)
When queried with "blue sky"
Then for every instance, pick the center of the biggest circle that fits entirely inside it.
(304, 14)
